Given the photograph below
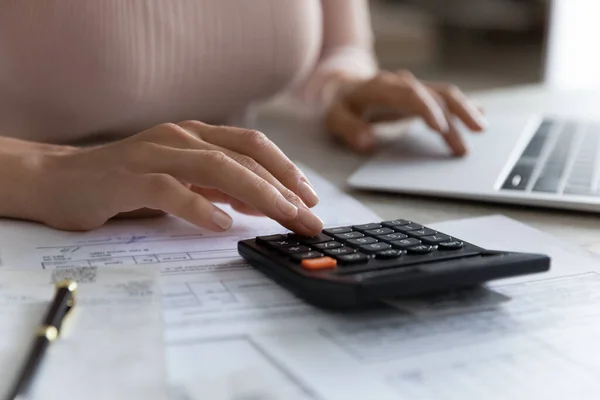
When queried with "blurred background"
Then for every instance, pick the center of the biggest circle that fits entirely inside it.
(476, 44)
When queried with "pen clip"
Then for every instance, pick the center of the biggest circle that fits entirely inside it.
(71, 286)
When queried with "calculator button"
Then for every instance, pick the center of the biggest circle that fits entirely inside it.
(354, 258)
(394, 223)
(320, 238)
(392, 236)
(306, 255)
(328, 245)
(366, 227)
(389, 253)
(408, 228)
(294, 249)
(339, 251)
(270, 238)
(361, 241)
(422, 232)
(406, 243)
(278, 244)
(347, 236)
(420, 249)
(319, 263)
(335, 231)
(379, 231)
(375, 247)
(435, 239)
(452, 245)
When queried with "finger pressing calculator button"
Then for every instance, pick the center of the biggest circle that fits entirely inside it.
(278, 244)
(320, 238)
(406, 243)
(354, 258)
(452, 245)
(270, 238)
(435, 239)
(328, 245)
(307, 255)
(366, 227)
(362, 241)
(390, 253)
(294, 249)
(339, 251)
(319, 263)
(395, 222)
(422, 232)
(379, 231)
(408, 228)
(335, 231)
(375, 247)
(420, 249)
(347, 236)
(392, 236)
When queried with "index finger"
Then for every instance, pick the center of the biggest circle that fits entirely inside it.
(256, 145)
(215, 170)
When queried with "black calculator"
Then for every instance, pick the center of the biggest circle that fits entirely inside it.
(357, 266)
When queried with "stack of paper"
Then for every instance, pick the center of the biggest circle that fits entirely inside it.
(231, 333)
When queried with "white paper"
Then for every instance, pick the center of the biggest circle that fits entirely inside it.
(110, 346)
(232, 333)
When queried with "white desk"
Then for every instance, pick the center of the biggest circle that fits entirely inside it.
(305, 141)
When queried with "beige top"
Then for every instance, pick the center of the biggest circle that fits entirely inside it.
(70, 69)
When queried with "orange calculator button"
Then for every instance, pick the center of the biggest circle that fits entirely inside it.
(319, 263)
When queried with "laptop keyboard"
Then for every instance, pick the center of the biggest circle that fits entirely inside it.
(561, 157)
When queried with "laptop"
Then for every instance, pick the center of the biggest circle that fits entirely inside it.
(542, 147)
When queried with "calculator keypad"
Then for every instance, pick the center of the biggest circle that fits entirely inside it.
(367, 244)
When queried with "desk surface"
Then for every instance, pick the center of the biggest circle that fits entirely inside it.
(304, 141)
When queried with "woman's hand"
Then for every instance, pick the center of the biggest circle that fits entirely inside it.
(391, 96)
(179, 169)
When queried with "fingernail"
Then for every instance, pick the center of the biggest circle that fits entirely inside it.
(442, 125)
(307, 193)
(482, 122)
(221, 219)
(310, 220)
(287, 208)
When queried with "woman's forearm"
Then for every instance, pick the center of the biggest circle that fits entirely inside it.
(21, 167)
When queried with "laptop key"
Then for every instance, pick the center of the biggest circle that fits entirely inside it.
(546, 185)
(519, 177)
